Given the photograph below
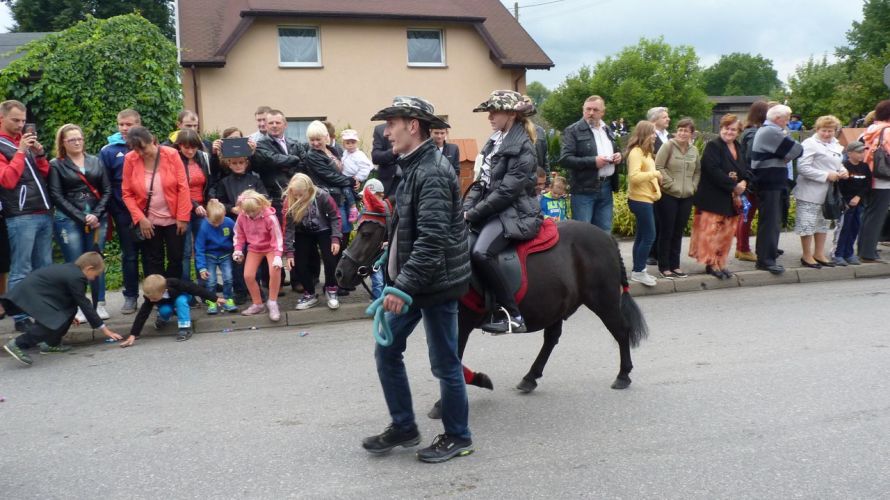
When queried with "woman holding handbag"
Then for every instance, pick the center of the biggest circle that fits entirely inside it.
(817, 170)
(80, 190)
(156, 193)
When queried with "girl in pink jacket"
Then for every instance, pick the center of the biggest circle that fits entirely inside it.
(259, 228)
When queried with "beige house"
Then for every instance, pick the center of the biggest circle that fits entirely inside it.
(343, 60)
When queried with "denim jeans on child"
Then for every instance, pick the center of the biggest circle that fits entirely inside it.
(224, 264)
(440, 324)
(74, 241)
(183, 311)
(645, 233)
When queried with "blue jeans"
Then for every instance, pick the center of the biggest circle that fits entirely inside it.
(183, 312)
(645, 233)
(849, 231)
(129, 253)
(595, 208)
(440, 323)
(224, 264)
(30, 247)
(73, 241)
(376, 284)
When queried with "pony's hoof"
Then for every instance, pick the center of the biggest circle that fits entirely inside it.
(526, 386)
(621, 383)
(436, 411)
(482, 380)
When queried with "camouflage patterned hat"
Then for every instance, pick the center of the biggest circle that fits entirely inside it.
(406, 106)
(507, 100)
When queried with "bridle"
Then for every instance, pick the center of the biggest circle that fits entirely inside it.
(362, 269)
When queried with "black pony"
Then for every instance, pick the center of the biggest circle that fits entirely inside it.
(583, 268)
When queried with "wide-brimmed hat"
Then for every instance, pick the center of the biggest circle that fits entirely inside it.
(507, 100)
(406, 106)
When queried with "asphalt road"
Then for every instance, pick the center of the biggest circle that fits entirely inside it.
(774, 392)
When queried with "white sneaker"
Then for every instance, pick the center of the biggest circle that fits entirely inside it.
(643, 278)
(100, 310)
(80, 317)
(333, 300)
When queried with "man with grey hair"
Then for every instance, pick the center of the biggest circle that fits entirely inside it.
(661, 119)
(771, 151)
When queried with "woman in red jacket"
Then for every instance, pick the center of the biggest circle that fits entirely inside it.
(156, 193)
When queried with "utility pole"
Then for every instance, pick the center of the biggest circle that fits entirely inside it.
(516, 10)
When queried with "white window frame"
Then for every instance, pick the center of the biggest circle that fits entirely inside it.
(442, 64)
(289, 64)
(293, 120)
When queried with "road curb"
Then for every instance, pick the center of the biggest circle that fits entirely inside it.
(223, 323)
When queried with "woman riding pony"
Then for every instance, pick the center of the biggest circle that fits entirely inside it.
(501, 206)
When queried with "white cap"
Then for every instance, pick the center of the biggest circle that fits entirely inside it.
(349, 135)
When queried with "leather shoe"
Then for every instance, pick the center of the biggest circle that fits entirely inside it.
(814, 265)
(717, 273)
(824, 263)
(774, 269)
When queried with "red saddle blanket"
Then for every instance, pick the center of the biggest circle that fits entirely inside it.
(547, 238)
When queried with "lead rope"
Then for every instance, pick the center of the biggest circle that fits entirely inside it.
(382, 331)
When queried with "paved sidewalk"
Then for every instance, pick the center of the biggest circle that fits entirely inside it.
(353, 307)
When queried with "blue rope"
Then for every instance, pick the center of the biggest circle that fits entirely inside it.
(381, 329)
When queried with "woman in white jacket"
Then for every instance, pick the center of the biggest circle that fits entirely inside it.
(820, 165)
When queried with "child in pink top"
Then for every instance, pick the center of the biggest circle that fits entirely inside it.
(259, 228)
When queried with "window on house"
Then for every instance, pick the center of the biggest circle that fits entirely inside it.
(426, 48)
(296, 128)
(299, 46)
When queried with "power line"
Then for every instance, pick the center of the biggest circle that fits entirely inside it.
(539, 4)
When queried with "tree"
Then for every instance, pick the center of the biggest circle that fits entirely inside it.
(871, 37)
(87, 73)
(741, 74)
(649, 74)
(538, 92)
(813, 87)
(56, 15)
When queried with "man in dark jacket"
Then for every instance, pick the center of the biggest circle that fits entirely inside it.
(385, 161)
(448, 150)
(277, 157)
(591, 155)
(429, 260)
(51, 296)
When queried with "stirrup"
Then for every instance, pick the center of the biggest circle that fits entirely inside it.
(506, 313)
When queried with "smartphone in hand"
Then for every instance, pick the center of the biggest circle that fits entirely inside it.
(30, 128)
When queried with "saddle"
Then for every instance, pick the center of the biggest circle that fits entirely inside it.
(512, 262)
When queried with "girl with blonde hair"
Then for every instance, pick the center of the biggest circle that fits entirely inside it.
(258, 227)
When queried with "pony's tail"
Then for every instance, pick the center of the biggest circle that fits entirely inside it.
(636, 327)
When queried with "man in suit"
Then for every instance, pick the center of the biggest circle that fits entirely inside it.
(385, 160)
(659, 117)
(51, 295)
(450, 151)
(591, 155)
(277, 157)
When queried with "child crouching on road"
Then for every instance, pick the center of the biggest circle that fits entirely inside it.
(51, 296)
(214, 245)
(258, 227)
(168, 294)
(312, 221)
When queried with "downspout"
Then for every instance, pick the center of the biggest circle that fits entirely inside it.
(195, 90)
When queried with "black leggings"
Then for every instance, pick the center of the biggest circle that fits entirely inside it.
(489, 243)
(306, 244)
(165, 241)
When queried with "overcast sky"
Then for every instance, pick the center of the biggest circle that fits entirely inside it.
(578, 32)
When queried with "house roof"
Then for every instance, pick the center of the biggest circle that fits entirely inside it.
(9, 42)
(208, 29)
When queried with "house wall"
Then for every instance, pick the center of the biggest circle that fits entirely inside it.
(364, 66)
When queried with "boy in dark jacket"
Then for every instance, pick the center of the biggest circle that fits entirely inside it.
(853, 189)
(51, 295)
(168, 293)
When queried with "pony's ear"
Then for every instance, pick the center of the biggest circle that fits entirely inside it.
(372, 203)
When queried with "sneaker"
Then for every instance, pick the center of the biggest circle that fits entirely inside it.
(445, 448)
(678, 273)
(212, 307)
(101, 311)
(840, 261)
(80, 317)
(230, 306)
(24, 325)
(643, 278)
(160, 323)
(853, 261)
(307, 301)
(20, 355)
(53, 349)
(129, 306)
(746, 256)
(253, 310)
(667, 274)
(390, 438)
(184, 334)
(353, 214)
(274, 313)
(333, 301)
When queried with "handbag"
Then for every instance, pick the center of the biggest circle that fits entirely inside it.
(881, 159)
(137, 232)
(833, 207)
